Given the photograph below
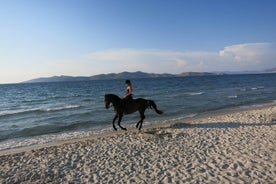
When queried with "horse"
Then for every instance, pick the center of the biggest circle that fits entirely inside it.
(132, 106)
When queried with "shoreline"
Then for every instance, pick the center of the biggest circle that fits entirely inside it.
(207, 114)
(203, 115)
(215, 147)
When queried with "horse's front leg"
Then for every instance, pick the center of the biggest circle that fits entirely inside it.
(119, 122)
(114, 119)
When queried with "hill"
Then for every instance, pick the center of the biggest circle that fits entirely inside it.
(128, 75)
(186, 74)
(138, 75)
(123, 75)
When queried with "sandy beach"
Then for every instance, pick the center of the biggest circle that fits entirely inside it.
(234, 147)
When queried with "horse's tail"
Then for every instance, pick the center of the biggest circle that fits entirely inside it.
(152, 104)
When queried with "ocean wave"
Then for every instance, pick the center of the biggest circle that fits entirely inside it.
(60, 108)
(232, 96)
(258, 87)
(17, 112)
(251, 88)
(194, 93)
(36, 110)
(48, 129)
(184, 117)
(50, 138)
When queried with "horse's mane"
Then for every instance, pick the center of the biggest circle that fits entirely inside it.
(113, 96)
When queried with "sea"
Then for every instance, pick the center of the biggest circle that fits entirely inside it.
(40, 113)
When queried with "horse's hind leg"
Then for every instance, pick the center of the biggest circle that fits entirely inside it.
(114, 119)
(142, 116)
(141, 123)
(119, 122)
(138, 123)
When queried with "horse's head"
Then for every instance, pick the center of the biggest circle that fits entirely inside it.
(110, 98)
(107, 101)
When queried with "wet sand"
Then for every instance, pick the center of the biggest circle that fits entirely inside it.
(234, 147)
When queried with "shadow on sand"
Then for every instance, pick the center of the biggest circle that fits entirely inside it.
(162, 131)
(219, 125)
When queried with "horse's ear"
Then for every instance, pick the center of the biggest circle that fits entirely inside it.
(106, 96)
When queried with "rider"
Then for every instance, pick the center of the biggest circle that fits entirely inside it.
(128, 96)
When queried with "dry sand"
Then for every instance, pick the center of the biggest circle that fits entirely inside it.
(237, 147)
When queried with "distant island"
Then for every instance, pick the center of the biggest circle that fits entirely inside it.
(122, 75)
(136, 75)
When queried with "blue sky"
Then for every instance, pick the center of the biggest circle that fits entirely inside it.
(40, 38)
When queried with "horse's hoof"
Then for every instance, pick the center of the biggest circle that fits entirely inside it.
(124, 129)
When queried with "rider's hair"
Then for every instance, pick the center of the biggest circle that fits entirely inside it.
(128, 82)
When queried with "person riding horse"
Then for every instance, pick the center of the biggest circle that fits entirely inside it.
(138, 104)
(128, 96)
(128, 105)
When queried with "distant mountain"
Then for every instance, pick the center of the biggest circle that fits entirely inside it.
(138, 75)
(267, 71)
(128, 75)
(123, 75)
(56, 79)
(186, 74)
(272, 70)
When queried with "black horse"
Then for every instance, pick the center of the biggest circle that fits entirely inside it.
(119, 105)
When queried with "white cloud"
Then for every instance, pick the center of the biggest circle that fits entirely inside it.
(181, 63)
(246, 52)
(250, 56)
(133, 60)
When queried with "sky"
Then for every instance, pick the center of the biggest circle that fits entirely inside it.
(43, 38)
